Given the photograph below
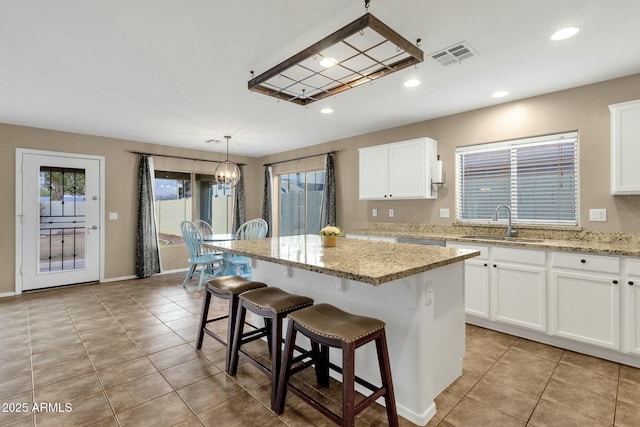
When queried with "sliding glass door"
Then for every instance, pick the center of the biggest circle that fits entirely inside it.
(300, 200)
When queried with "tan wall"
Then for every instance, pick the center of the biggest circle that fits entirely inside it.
(584, 109)
(120, 186)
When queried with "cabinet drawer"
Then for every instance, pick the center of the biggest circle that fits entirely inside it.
(520, 256)
(633, 266)
(596, 263)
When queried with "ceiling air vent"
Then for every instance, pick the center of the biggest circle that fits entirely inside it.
(454, 54)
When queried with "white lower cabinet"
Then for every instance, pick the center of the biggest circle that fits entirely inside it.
(585, 298)
(476, 280)
(631, 297)
(506, 285)
(518, 287)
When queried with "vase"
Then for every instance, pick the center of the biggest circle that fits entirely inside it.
(329, 241)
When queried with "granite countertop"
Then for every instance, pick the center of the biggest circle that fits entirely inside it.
(365, 261)
(603, 243)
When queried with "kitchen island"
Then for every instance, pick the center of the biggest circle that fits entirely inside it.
(418, 291)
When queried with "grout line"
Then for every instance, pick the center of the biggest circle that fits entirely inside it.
(95, 370)
(33, 379)
(545, 387)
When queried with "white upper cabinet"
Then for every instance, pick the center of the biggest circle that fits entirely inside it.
(374, 172)
(402, 170)
(625, 147)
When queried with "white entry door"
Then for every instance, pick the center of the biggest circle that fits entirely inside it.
(59, 203)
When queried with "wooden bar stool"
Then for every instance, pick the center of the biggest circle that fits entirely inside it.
(329, 326)
(226, 287)
(273, 304)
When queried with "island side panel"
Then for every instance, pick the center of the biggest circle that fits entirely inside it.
(426, 341)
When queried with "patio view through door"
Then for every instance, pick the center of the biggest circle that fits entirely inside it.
(60, 213)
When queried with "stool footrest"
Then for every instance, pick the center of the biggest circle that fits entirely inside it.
(265, 369)
(215, 319)
(315, 404)
(363, 383)
(256, 334)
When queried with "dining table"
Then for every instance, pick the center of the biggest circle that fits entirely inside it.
(222, 237)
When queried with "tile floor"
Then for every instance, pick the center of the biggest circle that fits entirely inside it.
(122, 354)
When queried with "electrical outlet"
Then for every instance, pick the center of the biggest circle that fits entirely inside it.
(390, 213)
(598, 215)
(113, 216)
(374, 212)
(444, 213)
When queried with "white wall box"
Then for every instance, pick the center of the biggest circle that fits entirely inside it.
(631, 308)
(625, 147)
(585, 300)
(402, 170)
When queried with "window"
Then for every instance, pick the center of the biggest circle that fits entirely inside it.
(173, 205)
(215, 203)
(300, 202)
(178, 199)
(537, 177)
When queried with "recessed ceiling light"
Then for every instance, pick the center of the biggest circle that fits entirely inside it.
(565, 33)
(326, 110)
(499, 94)
(412, 83)
(328, 62)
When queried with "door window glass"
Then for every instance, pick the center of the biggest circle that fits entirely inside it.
(62, 219)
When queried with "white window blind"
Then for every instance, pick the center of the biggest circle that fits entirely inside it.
(537, 177)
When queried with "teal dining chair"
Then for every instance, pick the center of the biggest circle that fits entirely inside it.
(203, 263)
(241, 265)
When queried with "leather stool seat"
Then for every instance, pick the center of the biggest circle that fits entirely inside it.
(327, 326)
(233, 285)
(226, 287)
(275, 300)
(331, 322)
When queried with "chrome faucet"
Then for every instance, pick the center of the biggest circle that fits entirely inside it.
(510, 231)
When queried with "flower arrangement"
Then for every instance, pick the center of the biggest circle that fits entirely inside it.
(331, 230)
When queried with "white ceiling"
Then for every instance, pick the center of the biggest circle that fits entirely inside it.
(176, 72)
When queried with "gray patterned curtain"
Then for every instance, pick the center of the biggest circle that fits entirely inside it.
(266, 199)
(239, 211)
(147, 253)
(328, 213)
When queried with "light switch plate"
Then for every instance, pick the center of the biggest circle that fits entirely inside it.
(374, 212)
(390, 213)
(444, 213)
(598, 215)
(113, 215)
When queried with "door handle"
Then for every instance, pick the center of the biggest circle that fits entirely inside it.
(94, 227)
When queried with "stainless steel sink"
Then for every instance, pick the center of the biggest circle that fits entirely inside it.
(503, 239)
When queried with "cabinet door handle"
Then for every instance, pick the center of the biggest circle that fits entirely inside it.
(583, 261)
(615, 282)
(630, 282)
(486, 265)
(495, 266)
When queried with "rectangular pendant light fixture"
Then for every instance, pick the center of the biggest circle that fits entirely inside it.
(362, 51)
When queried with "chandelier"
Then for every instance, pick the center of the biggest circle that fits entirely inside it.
(228, 173)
